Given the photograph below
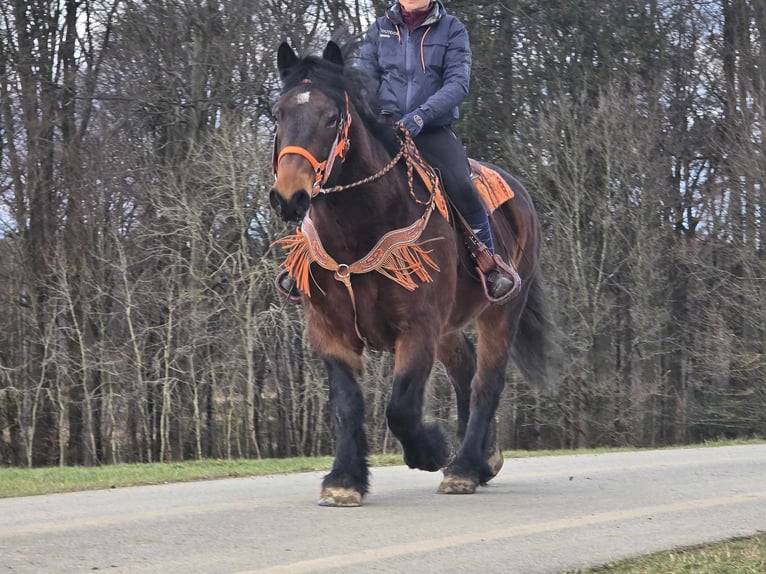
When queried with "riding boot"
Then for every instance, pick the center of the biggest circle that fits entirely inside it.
(499, 284)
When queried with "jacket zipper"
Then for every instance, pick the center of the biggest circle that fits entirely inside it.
(408, 67)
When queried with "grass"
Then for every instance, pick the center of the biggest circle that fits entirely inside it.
(28, 482)
(741, 556)
(33, 481)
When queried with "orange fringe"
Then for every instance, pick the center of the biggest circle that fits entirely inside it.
(405, 261)
(298, 260)
(399, 266)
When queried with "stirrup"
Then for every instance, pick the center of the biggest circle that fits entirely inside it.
(505, 270)
(285, 290)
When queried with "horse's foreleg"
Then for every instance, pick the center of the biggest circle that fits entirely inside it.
(348, 481)
(423, 443)
(479, 458)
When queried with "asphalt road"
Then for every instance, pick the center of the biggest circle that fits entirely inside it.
(539, 515)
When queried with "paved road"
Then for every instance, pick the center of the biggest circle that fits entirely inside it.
(539, 515)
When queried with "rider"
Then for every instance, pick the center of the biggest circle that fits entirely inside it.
(421, 57)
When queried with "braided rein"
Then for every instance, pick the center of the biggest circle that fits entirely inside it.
(388, 167)
(411, 155)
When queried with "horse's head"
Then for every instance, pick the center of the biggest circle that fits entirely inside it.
(312, 131)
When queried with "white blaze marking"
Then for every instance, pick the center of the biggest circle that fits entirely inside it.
(302, 98)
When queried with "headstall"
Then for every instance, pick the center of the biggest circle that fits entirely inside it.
(322, 170)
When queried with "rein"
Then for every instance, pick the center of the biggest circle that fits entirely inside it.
(415, 163)
(386, 168)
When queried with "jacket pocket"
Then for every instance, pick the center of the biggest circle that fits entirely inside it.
(433, 54)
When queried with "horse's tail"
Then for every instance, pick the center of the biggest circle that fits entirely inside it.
(534, 348)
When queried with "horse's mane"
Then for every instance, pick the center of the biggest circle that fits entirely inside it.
(336, 81)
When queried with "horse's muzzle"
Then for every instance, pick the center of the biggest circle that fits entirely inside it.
(292, 210)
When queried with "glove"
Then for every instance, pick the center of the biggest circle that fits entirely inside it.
(414, 122)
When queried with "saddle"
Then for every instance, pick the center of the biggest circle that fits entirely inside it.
(493, 189)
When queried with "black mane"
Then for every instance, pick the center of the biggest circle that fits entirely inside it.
(335, 81)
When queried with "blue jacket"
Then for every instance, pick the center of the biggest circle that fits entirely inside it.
(427, 71)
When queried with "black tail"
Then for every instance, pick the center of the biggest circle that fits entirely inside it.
(534, 347)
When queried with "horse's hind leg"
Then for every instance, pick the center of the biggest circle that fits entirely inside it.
(479, 458)
(348, 481)
(423, 443)
(457, 354)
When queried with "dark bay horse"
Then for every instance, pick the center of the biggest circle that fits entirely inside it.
(379, 265)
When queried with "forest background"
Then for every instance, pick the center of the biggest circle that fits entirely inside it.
(138, 318)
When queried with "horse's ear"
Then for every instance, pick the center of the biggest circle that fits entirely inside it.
(332, 53)
(286, 58)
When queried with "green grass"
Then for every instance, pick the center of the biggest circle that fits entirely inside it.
(742, 556)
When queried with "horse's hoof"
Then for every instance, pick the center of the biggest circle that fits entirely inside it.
(340, 497)
(495, 462)
(457, 485)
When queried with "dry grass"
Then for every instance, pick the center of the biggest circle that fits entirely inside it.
(741, 556)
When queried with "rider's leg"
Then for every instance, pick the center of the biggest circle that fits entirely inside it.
(479, 223)
(443, 149)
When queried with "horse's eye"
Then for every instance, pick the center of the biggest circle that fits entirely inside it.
(332, 122)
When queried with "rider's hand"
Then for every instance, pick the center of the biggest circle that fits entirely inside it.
(413, 122)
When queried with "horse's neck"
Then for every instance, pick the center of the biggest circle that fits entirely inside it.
(367, 156)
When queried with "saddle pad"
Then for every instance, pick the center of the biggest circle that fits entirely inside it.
(492, 188)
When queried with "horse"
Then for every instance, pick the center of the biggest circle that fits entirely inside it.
(380, 265)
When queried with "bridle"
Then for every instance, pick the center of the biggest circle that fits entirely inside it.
(323, 169)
